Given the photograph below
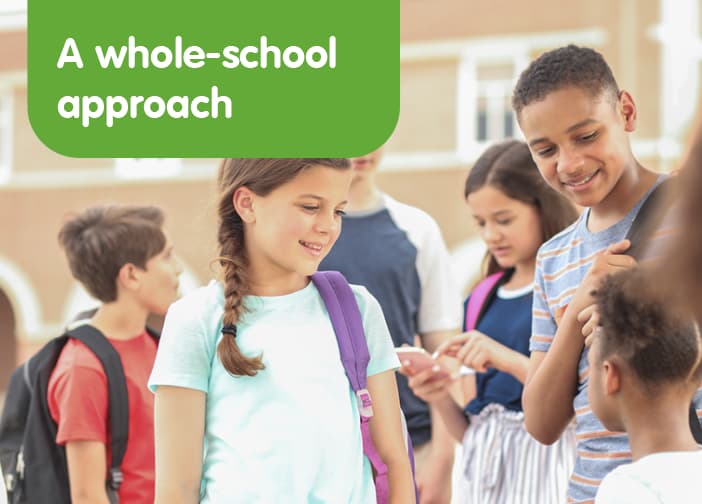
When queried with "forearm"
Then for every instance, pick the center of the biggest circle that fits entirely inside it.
(177, 494)
(452, 417)
(97, 497)
(551, 384)
(516, 364)
(400, 481)
(442, 442)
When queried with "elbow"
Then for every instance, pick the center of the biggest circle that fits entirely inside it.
(535, 423)
(538, 432)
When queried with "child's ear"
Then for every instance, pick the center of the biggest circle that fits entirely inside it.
(613, 377)
(128, 276)
(627, 109)
(243, 201)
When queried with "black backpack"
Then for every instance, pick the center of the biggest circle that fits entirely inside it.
(34, 466)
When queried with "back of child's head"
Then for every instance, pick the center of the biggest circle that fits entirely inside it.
(509, 168)
(569, 66)
(99, 241)
(261, 176)
(657, 340)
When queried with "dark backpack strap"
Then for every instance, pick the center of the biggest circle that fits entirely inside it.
(695, 426)
(481, 294)
(649, 217)
(118, 399)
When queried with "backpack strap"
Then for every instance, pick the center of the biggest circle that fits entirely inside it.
(649, 217)
(118, 399)
(477, 302)
(695, 426)
(348, 327)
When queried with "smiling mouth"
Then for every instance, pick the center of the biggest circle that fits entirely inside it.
(313, 247)
(583, 181)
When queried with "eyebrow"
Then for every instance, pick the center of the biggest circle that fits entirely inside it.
(574, 127)
(319, 198)
(495, 214)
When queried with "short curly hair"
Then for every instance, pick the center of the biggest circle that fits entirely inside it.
(657, 340)
(567, 66)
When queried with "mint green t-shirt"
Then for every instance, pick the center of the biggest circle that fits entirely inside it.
(291, 433)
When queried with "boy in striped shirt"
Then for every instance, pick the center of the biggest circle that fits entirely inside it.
(576, 122)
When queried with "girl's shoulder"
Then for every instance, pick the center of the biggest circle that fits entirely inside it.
(364, 299)
(212, 293)
(201, 302)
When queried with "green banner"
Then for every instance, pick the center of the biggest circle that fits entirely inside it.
(267, 78)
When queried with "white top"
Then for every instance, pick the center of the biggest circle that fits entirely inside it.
(660, 478)
(291, 433)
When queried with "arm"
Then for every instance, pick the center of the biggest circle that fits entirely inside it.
(434, 480)
(436, 391)
(479, 351)
(179, 418)
(553, 376)
(87, 467)
(386, 431)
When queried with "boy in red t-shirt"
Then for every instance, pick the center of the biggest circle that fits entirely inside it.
(122, 257)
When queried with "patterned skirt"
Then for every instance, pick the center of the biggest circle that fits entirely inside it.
(503, 464)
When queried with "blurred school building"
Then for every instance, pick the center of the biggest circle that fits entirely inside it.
(460, 59)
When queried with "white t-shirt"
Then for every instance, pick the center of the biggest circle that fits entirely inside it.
(291, 433)
(3, 491)
(660, 478)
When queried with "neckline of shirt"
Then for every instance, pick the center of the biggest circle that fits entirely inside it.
(504, 293)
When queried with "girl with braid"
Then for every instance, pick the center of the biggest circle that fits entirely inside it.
(252, 403)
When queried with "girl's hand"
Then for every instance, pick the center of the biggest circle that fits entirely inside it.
(481, 352)
(429, 385)
(475, 350)
(590, 318)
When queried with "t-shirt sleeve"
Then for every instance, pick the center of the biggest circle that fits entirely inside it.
(543, 325)
(617, 488)
(380, 345)
(440, 304)
(187, 345)
(77, 398)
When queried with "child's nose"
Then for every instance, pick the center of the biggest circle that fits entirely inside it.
(569, 161)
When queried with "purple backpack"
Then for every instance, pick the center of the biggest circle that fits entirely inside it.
(348, 327)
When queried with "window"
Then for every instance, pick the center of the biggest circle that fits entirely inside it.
(494, 117)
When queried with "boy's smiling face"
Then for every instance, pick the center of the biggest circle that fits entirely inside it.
(579, 142)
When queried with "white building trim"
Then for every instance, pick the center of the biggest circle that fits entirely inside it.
(23, 298)
(13, 15)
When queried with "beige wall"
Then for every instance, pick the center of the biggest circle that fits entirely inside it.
(30, 215)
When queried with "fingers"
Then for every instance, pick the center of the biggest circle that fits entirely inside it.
(590, 318)
(585, 314)
(431, 384)
(451, 346)
(619, 247)
(476, 353)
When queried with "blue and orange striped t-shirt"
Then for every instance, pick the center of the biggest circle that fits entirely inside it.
(561, 265)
